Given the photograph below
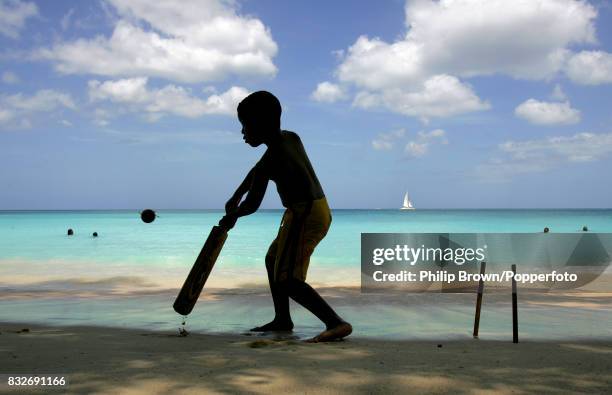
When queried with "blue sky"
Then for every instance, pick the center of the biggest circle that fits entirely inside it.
(465, 103)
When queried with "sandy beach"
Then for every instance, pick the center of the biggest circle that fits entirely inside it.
(115, 332)
(130, 361)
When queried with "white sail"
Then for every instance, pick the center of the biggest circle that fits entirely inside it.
(407, 203)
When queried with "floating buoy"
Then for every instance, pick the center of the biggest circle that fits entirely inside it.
(147, 216)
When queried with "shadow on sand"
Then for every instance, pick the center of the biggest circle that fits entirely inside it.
(111, 360)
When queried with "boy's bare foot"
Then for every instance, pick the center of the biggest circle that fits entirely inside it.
(337, 332)
(278, 326)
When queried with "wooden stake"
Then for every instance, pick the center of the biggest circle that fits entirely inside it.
(483, 265)
(514, 309)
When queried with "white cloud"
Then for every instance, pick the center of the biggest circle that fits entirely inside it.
(415, 148)
(439, 96)
(558, 93)
(460, 39)
(6, 115)
(66, 19)
(13, 16)
(386, 141)
(367, 100)
(338, 53)
(420, 146)
(328, 92)
(590, 68)
(18, 107)
(170, 99)
(529, 156)
(581, 147)
(131, 90)
(433, 135)
(187, 41)
(201, 136)
(41, 101)
(102, 117)
(473, 37)
(547, 113)
(8, 77)
(382, 145)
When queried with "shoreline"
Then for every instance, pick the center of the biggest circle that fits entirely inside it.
(134, 361)
(559, 316)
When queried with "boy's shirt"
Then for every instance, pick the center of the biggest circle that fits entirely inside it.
(285, 162)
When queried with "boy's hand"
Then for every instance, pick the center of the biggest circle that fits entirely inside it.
(232, 204)
(228, 221)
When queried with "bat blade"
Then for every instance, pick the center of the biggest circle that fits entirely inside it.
(190, 292)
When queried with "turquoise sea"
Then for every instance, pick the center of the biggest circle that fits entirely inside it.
(130, 274)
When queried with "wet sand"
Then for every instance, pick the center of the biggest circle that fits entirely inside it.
(560, 315)
(131, 361)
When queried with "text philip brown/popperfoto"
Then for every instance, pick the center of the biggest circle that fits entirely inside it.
(458, 256)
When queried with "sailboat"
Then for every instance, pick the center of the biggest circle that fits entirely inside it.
(407, 203)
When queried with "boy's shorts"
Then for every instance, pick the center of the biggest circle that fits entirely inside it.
(303, 226)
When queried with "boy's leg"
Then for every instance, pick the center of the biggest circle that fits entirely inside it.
(307, 229)
(282, 318)
(304, 294)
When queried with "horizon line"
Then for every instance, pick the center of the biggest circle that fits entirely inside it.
(333, 209)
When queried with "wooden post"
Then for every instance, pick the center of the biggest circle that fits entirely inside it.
(483, 265)
(514, 309)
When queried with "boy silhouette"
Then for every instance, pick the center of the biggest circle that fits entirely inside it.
(305, 221)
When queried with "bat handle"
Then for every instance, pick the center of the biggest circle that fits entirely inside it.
(227, 220)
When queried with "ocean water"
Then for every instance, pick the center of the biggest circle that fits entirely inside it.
(175, 237)
(134, 269)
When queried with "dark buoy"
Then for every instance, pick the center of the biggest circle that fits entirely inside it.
(546, 230)
(585, 229)
(95, 234)
(70, 232)
(147, 216)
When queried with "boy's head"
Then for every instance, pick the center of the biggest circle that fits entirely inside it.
(259, 113)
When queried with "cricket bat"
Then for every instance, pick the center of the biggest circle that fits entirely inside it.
(189, 294)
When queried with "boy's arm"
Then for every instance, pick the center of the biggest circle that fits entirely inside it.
(234, 201)
(256, 192)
